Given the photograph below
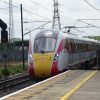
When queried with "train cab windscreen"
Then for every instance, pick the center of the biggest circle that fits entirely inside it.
(44, 44)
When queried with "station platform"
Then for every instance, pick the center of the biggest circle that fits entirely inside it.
(70, 85)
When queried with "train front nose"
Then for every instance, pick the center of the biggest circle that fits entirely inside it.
(42, 65)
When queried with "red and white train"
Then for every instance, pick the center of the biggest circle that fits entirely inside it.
(52, 52)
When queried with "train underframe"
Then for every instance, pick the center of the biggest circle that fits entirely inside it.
(89, 64)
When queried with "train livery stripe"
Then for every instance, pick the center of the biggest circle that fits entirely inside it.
(60, 46)
(54, 68)
(30, 60)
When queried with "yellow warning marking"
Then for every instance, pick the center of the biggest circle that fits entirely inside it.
(72, 91)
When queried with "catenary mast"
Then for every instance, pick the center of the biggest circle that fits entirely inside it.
(11, 22)
(56, 17)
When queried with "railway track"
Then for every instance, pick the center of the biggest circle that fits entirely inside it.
(16, 83)
(11, 82)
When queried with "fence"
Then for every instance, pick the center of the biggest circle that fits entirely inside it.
(14, 54)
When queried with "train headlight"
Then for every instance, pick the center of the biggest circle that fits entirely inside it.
(30, 58)
(56, 56)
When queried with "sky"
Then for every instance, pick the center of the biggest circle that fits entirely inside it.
(42, 10)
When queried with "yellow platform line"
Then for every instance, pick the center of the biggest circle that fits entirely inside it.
(72, 91)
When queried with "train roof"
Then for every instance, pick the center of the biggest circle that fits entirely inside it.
(71, 37)
(80, 39)
(49, 33)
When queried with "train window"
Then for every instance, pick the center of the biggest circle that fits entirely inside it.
(73, 47)
(87, 47)
(67, 45)
(44, 44)
(76, 47)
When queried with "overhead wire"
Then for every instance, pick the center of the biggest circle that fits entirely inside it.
(13, 6)
(89, 24)
(29, 12)
(92, 5)
(37, 27)
(35, 14)
(88, 19)
(4, 8)
(8, 4)
(36, 21)
(40, 5)
(26, 10)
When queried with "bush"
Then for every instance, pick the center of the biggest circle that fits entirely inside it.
(15, 69)
(12, 70)
(5, 72)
